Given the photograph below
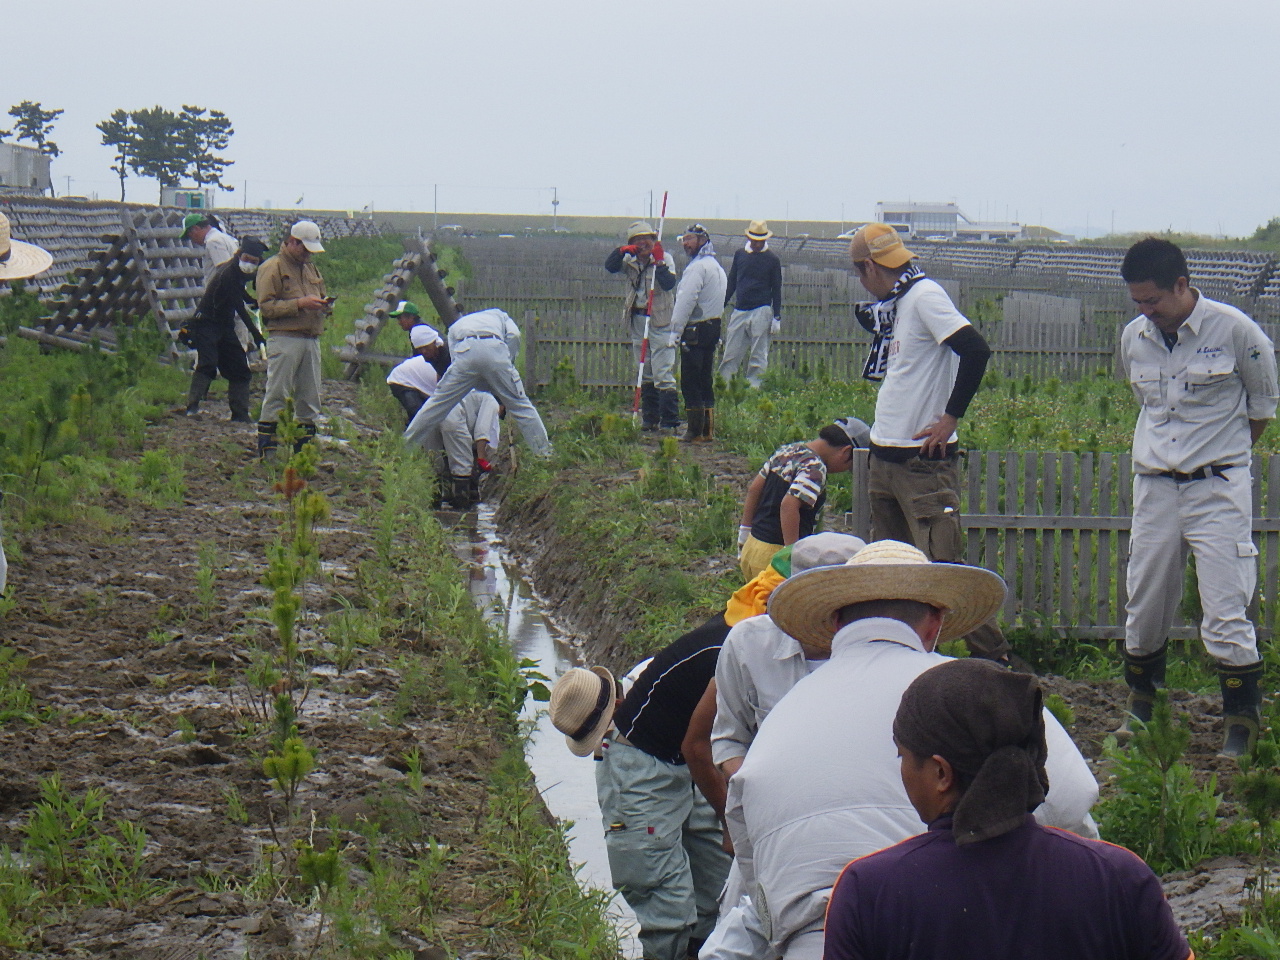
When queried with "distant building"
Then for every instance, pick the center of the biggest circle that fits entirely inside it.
(188, 198)
(23, 169)
(943, 220)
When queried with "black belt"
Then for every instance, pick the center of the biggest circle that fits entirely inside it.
(480, 336)
(640, 310)
(1200, 473)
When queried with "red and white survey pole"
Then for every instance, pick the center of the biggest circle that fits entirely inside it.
(648, 313)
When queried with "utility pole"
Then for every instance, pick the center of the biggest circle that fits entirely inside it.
(555, 202)
(435, 206)
(68, 193)
(246, 194)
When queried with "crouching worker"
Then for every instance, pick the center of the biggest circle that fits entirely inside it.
(985, 880)
(212, 331)
(665, 844)
(468, 433)
(414, 380)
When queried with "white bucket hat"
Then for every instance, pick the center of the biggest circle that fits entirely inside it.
(804, 605)
(582, 703)
(423, 335)
(20, 260)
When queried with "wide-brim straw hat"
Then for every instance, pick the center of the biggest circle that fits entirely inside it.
(758, 230)
(582, 703)
(19, 260)
(804, 605)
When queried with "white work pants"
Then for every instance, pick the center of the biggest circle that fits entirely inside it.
(1213, 518)
(660, 364)
(293, 370)
(466, 423)
(483, 363)
(747, 339)
(739, 933)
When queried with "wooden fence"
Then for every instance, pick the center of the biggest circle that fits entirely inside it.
(1056, 527)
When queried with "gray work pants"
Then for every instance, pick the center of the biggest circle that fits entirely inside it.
(660, 364)
(747, 338)
(293, 370)
(484, 364)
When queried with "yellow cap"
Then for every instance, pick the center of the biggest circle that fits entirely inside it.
(881, 243)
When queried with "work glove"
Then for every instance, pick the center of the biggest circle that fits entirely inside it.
(262, 353)
(629, 248)
(484, 465)
(673, 340)
(775, 325)
(744, 531)
(658, 253)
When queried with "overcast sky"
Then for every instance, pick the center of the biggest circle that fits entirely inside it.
(1080, 115)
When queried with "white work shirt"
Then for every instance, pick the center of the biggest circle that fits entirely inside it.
(219, 247)
(758, 664)
(480, 408)
(1198, 398)
(821, 785)
(482, 325)
(700, 292)
(417, 373)
(921, 369)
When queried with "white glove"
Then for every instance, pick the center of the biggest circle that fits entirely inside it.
(262, 353)
(775, 325)
(744, 531)
(673, 340)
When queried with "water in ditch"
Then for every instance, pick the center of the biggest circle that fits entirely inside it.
(566, 782)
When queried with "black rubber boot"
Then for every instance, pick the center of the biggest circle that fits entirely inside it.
(460, 495)
(308, 434)
(695, 947)
(649, 406)
(238, 401)
(708, 425)
(668, 410)
(198, 391)
(1241, 708)
(1144, 673)
(266, 439)
(695, 417)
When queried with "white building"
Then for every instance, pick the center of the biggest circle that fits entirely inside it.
(942, 220)
(23, 169)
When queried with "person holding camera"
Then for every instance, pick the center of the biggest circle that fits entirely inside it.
(695, 326)
(643, 264)
(294, 304)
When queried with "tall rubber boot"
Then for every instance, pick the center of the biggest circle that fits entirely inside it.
(695, 417)
(198, 391)
(308, 434)
(460, 495)
(1144, 673)
(649, 406)
(708, 426)
(668, 410)
(266, 439)
(1241, 708)
(238, 401)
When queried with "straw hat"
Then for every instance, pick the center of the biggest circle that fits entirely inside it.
(803, 606)
(20, 260)
(582, 704)
(758, 230)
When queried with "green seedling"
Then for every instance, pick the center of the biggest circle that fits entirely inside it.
(288, 768)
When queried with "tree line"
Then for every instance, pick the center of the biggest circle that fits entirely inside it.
(153, 142)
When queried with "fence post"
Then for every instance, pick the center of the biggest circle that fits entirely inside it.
(531, 349)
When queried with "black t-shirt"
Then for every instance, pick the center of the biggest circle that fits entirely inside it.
(793, 470)
(655, 715)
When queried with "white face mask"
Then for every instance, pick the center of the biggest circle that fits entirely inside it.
(249, 268)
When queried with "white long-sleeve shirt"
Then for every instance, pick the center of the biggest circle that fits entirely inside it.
(821, 785)
(219, 247)
(700, 293)
(1198, 398)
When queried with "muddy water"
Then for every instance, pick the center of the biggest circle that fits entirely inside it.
(567, 783)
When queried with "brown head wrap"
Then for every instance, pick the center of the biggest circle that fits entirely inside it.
(988, 723)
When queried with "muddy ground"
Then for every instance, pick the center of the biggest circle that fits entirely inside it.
(121, 657)
(1202, 898)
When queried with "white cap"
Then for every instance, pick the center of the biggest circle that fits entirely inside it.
(422, 335)
(309, 234)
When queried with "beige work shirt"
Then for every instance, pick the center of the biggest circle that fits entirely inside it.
(1198, 398)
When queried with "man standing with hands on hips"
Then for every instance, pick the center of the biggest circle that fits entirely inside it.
(1205, 375)
(756, 278)
(294, 305)
(930, 360)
